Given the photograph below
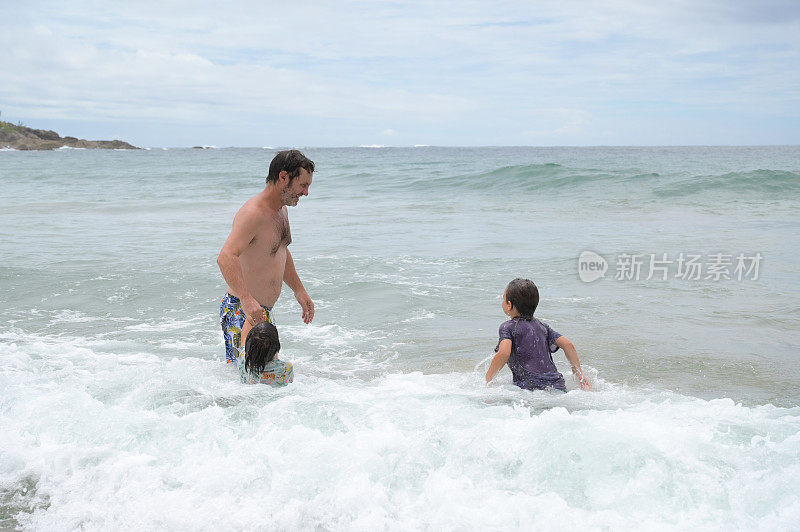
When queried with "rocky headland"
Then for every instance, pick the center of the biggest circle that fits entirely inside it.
(19, 137)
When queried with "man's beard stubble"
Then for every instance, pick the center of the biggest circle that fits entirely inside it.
(287, 198)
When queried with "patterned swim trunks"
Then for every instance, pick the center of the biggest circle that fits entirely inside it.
(231, 317)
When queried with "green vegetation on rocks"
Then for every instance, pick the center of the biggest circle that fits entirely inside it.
(20, 137)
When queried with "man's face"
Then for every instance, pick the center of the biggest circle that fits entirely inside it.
(291, 192)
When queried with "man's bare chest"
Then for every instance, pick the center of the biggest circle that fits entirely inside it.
(273, 234)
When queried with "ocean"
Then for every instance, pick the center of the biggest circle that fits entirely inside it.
(673, 270)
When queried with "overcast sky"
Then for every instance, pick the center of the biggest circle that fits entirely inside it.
(349, 73)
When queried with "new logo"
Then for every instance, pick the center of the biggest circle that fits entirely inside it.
(591, 266)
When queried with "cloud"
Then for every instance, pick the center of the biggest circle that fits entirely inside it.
(435, 70)
(79, 79)
(556, 123)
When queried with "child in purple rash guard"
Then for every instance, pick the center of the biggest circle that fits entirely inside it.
(526, 344)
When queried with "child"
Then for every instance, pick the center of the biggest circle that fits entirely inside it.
(258, 363)
(527, 344)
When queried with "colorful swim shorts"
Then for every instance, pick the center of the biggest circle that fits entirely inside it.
(231, 317)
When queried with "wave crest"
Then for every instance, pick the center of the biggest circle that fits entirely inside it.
(757, 181)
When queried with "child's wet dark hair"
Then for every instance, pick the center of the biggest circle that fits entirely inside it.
(261, 345)
(524, 295)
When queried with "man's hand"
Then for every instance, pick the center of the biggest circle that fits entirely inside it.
(306, 304)
(253, 311)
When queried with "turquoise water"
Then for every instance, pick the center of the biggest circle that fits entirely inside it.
(118, 411)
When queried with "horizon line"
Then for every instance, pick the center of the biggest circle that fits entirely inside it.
(418, 146)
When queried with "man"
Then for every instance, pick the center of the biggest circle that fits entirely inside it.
(255, 259)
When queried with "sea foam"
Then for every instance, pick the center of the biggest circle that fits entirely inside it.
(98, 441)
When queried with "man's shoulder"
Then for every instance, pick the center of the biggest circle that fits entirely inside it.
(249, 207)
(253, 208)
(255, 203)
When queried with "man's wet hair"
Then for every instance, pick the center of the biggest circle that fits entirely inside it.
(261, 346)
(524, 295)
(290, 161)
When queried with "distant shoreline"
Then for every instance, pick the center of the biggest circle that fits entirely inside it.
(19, 137)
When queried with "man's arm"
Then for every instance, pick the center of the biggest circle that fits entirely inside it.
(292, 280)
(572, 356)
(245, 224)
(500, 359)
(246, 328)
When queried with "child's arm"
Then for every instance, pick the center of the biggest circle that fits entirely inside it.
(572, 355)
(499, 360)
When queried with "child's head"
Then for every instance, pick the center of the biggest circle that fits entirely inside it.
(261, 346)
(523, 296)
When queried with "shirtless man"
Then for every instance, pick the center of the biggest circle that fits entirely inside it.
(255, 259)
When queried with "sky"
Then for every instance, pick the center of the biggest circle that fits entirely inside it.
(350, 73)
